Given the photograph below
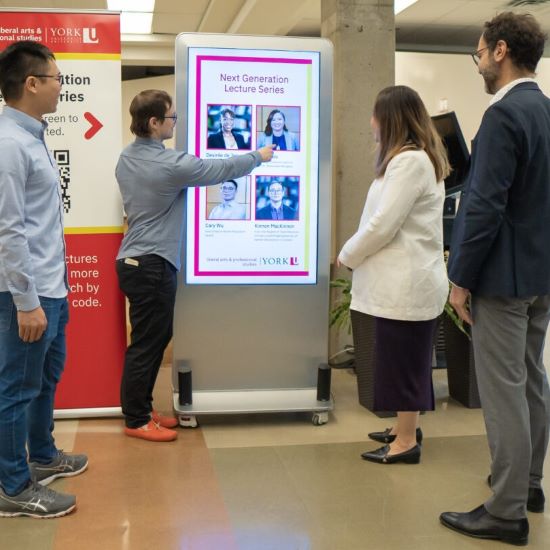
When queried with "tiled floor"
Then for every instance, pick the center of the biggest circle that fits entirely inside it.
(270, 482)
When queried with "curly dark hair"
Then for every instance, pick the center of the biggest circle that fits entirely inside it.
(522, 34)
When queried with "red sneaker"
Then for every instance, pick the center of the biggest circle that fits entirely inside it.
(165, 421)
(152, 432)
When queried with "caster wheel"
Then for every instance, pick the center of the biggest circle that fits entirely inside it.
(188, 421)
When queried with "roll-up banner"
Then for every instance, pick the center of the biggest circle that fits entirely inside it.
(84, 135)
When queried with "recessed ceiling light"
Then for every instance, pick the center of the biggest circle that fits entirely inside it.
(135, 22)
(131, 5)
(401, 5)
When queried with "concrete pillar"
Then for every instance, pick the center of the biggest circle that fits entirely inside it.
(363, 34)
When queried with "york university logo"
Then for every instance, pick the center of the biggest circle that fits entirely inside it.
(279, 260)
(89, 35)
(73, 35)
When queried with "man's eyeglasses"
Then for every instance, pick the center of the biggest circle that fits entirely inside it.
(58, 77)
(173, 117)
(476, 55)
(228, 188)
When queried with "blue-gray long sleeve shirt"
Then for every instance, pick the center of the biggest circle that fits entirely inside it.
(152, 180)
(32, 247)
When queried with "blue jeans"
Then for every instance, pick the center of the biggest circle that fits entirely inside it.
(29, 374)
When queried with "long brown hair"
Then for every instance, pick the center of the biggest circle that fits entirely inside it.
(405, 124)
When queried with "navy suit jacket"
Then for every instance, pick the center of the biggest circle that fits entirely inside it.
(265, 213)
(215, 141)
(501, 235)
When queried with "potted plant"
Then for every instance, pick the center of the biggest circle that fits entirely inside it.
(363, 351)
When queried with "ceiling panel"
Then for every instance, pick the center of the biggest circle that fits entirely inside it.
(451, 25)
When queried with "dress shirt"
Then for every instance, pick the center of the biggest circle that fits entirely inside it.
(32, 247)
(277, 213)
(230, 210)
(152, 181)
(505, 89)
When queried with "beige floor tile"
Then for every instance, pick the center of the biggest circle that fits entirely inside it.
(348, 421)
(325, 497)
(140, 495)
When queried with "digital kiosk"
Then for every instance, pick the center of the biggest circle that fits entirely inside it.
(251, 319)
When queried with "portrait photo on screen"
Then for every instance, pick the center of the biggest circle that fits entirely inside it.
(229, 126)
(277, 197)
(230, 200)
(279, 126)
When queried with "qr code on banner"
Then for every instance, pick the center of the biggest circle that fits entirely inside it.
(62, 158)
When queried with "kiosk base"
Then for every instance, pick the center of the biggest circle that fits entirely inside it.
(253, 401)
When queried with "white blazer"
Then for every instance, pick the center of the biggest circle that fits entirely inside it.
(397, 252)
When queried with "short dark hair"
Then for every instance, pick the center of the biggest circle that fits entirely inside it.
(145, 106)
(231, 181)
(227, 112)
(19, 61)
(522, 34)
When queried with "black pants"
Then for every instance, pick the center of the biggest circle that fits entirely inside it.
(151, 290)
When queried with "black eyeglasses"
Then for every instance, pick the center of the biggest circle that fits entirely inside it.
(58, 77)
(173, 117)
(476, 57)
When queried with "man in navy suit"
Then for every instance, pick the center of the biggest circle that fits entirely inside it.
(500, 265)
(276, 210)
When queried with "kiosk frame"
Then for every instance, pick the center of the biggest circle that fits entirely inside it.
(249, 348)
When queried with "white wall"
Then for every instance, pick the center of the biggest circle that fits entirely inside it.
(455, 78)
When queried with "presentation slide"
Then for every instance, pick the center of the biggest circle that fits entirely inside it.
(261, 228)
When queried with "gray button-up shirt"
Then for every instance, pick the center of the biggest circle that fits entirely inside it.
(32, 247)
(152, 180)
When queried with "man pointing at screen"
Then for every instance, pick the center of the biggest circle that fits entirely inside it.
(152, 182)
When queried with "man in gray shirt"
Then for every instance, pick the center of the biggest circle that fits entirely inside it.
(33, 289)
(152, 181)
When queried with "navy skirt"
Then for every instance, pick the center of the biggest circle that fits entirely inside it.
(403, 369)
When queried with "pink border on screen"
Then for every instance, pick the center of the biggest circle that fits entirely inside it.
(200, 59)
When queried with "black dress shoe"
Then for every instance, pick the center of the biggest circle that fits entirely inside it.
(386, 437)
(412, 456)
(535, 498)
(480, 524)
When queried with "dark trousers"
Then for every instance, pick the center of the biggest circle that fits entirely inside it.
(151, 291)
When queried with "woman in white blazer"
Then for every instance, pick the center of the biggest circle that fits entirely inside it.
(399, 273)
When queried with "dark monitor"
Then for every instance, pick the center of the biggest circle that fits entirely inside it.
(448, 128)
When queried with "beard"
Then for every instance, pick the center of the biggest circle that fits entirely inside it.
(490, 76)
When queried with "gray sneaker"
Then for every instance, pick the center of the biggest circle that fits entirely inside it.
(36, 501)
(63, 465)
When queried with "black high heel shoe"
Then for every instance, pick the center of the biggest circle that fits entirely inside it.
(386, 437)
(412, 456)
